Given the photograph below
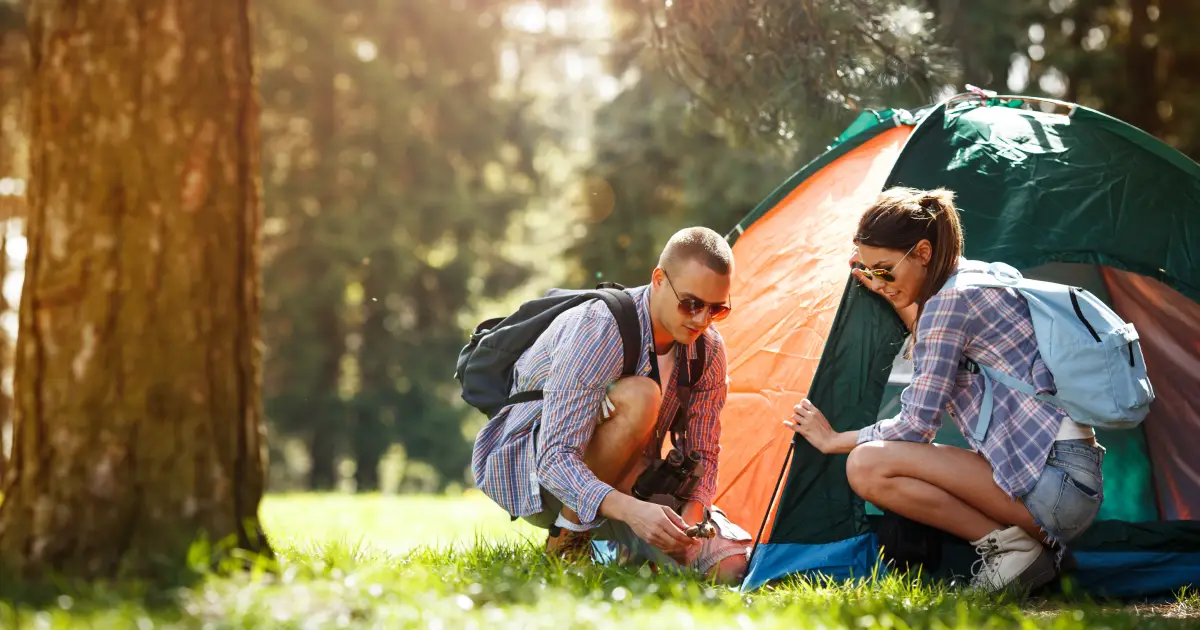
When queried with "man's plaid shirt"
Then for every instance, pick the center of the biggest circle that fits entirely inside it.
(530, 446)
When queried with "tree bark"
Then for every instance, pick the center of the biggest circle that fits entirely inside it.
(1141, 73)
(323, 443)
(138, 368)
(13, 74)
(371, 436)
(5, 345)
(328, 425)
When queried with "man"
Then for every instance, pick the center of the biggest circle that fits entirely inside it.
(568, 462)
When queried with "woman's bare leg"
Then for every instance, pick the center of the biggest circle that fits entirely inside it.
(942, 486)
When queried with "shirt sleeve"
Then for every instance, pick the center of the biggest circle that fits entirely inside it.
(941, 336)
(586, 358)
(704, 434)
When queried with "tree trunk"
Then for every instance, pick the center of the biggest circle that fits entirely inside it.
(322, 446)
(137, 367)
(369, 448)
(1141, 73)
(328, 425)
(13, 74)
(5, 346)
(371, 437)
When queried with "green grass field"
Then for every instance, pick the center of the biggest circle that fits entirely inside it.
(440, 563)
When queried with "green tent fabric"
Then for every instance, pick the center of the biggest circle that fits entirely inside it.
(1057, 196)
(1037, 188)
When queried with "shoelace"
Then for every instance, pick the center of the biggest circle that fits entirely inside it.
(987, 551)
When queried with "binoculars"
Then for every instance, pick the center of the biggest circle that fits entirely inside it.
(675, 476)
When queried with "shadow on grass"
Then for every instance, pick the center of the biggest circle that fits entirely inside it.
(151, 586)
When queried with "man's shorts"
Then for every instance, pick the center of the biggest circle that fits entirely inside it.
(729, 541)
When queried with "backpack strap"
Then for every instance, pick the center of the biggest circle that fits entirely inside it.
(625, 311)
(621, 304)
(979, 432)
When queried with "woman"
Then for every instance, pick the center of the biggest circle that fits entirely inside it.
(1035, 477)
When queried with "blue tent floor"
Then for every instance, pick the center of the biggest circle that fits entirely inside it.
(1109, 567)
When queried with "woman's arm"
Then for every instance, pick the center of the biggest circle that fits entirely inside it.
(936, 356)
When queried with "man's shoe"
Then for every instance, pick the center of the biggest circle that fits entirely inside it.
(571, 546)
(1011, 556)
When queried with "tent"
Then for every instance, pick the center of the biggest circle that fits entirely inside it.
(1058, 190)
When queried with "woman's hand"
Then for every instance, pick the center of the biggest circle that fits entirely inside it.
(857, 267)
(809, 422)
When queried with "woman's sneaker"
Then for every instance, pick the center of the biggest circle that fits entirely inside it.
(1011, 556)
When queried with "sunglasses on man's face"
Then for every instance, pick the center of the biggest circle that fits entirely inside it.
(692, 307)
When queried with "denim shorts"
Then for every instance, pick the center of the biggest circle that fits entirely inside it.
(1067, 496)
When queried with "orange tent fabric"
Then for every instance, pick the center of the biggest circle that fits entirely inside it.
(791, 267)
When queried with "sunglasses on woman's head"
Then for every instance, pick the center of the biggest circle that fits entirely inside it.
(692, 307)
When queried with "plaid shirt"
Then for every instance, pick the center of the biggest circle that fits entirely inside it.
(535, 445)
(993, 328)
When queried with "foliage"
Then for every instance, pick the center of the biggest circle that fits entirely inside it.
(323, 580)
(393, 171)
(651, 177)
(1132, 59)
(781, 71)
(656, 170)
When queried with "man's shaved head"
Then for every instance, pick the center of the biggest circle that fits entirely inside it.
(700, 244)
(694, 276)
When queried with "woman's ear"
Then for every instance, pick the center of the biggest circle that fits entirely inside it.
(924, 251)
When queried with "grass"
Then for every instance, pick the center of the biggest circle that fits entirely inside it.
(396, 525)
(437, 563)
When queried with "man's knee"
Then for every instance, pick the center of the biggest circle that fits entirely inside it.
(636, 399)
(866, 469)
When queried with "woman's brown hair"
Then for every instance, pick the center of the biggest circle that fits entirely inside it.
(901, 217)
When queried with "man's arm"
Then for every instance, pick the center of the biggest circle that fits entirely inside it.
(586, 357)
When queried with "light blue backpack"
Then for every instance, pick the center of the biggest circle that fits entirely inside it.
(1093, 354)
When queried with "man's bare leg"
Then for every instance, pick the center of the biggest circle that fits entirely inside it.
(616, 445)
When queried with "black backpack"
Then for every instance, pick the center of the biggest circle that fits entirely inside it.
(485, 365)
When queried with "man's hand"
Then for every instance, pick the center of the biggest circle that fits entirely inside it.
(656, 524)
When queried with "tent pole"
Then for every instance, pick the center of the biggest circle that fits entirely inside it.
(770, 504)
